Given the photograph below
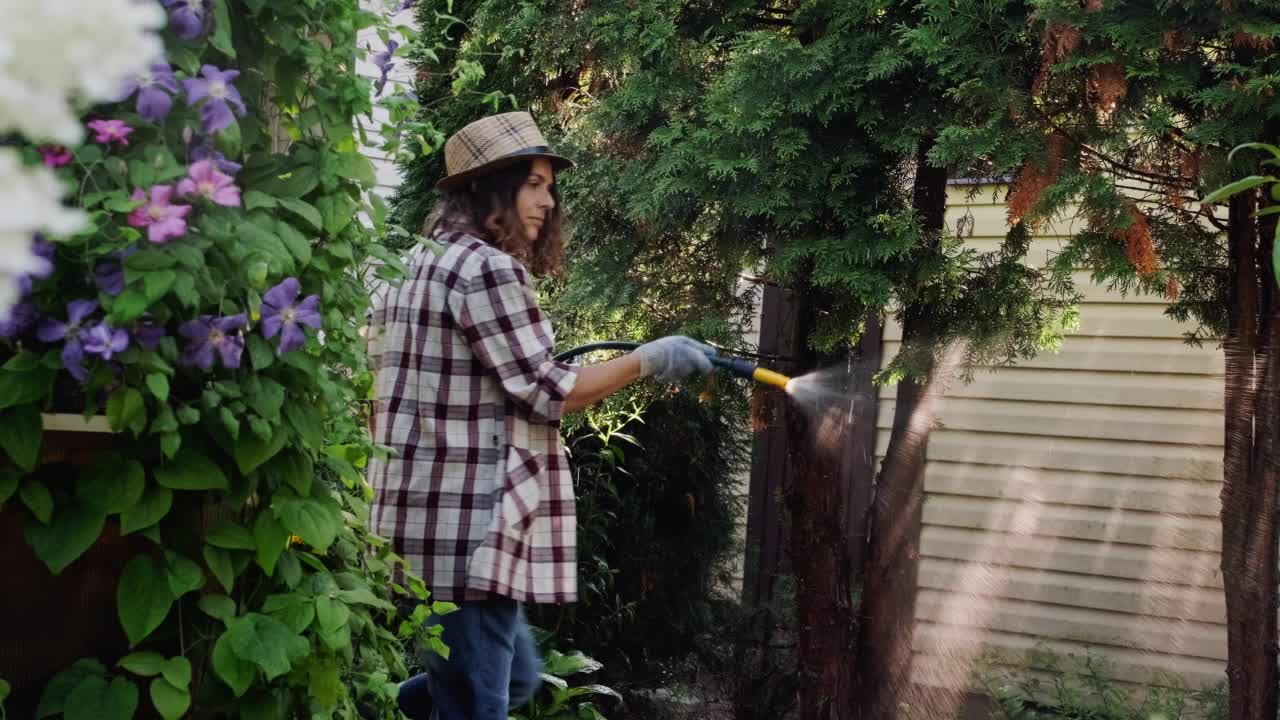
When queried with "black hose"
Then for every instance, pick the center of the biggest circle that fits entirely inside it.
(572, 353)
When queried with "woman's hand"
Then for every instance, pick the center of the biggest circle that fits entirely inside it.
(673, 358)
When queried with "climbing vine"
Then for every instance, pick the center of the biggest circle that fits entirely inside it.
(211, 312)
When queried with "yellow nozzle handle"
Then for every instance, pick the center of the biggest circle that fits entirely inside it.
(769, 377)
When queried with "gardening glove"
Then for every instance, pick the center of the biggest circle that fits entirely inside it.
(673, 358)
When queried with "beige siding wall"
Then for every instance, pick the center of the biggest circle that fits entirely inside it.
(1072, 500)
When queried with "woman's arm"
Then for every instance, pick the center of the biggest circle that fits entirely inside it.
(597, 382)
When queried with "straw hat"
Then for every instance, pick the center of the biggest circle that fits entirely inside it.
(493, 143)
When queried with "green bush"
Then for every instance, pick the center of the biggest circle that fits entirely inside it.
(1072, 687)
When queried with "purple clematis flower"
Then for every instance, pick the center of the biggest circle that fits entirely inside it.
(283, 315)
(204, 179)
(155, 87)
(189, 18)
(163, 220)
(104, 341)
(109, 131)
(383, 61)
(219, 96)
(209, 335)
(54, 156)
(405, 5)
(70, 332)
(146, 333)
(21, 318)
(108, 273)
(203, 149)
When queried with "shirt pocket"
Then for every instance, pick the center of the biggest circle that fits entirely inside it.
(521, 488)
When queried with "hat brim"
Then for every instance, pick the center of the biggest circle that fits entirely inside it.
(454, 182)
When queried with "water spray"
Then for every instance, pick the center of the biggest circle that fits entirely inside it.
(738, 366)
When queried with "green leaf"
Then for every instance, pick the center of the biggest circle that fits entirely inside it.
(267, 643)
(251, 453)
(36, 496)
(170, 701)
(113, 485)
(221, 38)
(295, 470)
(165, 422)
(293, 609)
(271, 538)
(236, 673)
(307, 423)
(260, 353)
(268, 399)
(299, 246)
(145, 664)
(128, 306)
(355, 166)
(1238, 186)
(231, 536)
(219, 562)
(219, 607)
(324, 684)
(54, 697)
(337, 212)
(290, 570)
(151, 509)
(254, 199)
(127, 409)
(304, 210)
(1275, 255)
(148, 259)
(1275, 151)
(22, 362)
(72, 532)
(95, 699)
(333, 617)
(188, 415)
(158, 384)
(20, 388)
(143, 597)
(156, 284)
(184, 574)
(8, 484)
(21, 430)
(191, 471)
(315, 522)
(177, 670)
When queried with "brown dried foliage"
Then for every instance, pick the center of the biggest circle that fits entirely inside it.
(1172, 41)
(1245, 39)
(1107, 87)
(1137, 239)
(1173, 289)
(1093, 6)
(1032, 182)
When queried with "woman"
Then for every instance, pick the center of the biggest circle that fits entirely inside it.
(478, 496)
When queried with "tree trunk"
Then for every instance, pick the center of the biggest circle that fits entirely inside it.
(887, 616)
(825, 618)
(1250, 473)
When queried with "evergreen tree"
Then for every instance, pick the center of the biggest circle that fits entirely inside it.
(1131, 114)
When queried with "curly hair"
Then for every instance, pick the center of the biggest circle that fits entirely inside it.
(486, 207)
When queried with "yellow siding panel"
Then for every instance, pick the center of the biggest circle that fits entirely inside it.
(1156, 600)
(1072, 499)
(1104, 422)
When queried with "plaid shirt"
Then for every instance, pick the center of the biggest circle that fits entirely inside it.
(478, 497)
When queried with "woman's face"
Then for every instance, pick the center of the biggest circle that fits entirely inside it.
(534, 201)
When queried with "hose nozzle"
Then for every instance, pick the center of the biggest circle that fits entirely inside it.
(745, 369)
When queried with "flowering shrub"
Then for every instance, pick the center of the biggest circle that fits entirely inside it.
(209, 307)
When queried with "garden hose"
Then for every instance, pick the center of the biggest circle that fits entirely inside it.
(741, 367)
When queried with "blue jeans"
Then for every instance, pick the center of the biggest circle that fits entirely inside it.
(493, 666)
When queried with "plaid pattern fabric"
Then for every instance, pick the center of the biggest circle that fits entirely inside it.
(478, 497)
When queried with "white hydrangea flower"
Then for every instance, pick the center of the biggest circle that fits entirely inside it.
(57, 54)
(30, 202)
